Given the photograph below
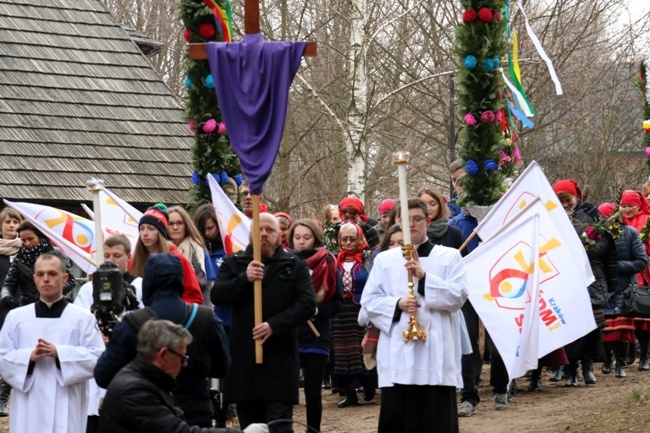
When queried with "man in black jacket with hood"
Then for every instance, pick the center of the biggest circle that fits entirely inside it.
(162, 288)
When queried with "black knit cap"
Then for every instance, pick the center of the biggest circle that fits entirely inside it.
(158, 217)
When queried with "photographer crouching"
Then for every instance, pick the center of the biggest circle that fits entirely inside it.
(112, 293)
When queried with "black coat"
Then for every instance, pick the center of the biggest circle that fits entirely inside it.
(139, 400)
(287, 302)
(162, 287)
(21, 278)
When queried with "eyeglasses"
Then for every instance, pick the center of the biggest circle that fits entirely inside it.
(416, 219)
(184, 358)
(177, 223)
(345, 239)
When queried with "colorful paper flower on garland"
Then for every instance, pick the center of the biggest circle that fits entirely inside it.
(504, 158)
(516, 155)
(470, 119)
(647, 152)
(239, 179)
(188, 82)
(469, 16)
(490, 165)
(488, 116)
(196, 179)
(488, 65)
(496, 62)
(646, 125)
(224, 178)
(187, 34)
(210, 126)
(222, 128)
(471, 167)
(485, 15)
(206, 31)
(193, 126)
(470, 62)
(209, 82)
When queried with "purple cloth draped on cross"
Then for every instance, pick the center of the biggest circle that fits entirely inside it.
(252, 80)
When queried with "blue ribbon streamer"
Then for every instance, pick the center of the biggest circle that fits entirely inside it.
(525, 121)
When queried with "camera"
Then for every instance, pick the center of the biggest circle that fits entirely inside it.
(111, 297)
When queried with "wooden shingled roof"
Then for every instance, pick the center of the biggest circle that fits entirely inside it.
(78, 100)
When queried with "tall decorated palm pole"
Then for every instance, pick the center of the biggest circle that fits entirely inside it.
(207, 21)
(480, 47)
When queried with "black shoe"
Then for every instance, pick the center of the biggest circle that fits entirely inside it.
(620, 371)
(349, 401)
(590, 378)
(3, 409)
(606, 368)
(326, 383)
(644, 365)
(572, 380)
(558, 375)
(535, 384)
(369, 393)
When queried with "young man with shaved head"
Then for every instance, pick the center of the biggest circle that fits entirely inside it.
(265, 392)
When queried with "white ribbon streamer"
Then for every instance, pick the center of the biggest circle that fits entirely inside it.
(522, 101)
(542, 53)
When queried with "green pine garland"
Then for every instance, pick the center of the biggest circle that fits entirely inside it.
(642, 84)
(211, 152)
(481, 35)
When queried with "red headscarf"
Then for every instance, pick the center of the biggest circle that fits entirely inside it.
(355, 255)
(635, 198)
(568, 186)
(283, 215)
(606, 209)
(355, 203)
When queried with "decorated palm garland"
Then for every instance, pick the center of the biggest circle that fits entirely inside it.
(480, 45)
(207, 21)
(642, 83)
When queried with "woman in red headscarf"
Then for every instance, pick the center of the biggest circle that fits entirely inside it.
(636, 211)
(351, 210)
(352, 269)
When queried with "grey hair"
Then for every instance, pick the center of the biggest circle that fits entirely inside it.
(156, 334)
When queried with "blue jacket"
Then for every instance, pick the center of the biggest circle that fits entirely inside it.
(466, 224)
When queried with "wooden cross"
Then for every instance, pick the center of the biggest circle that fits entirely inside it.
(198, 51)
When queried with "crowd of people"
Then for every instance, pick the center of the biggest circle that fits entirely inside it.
(334, 305)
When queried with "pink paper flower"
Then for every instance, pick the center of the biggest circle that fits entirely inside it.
(210, 126)
(193, 126)
(222, 128)
(647, 152)
(488, 116)
(470, 119)
(504, 157)
(516, 155)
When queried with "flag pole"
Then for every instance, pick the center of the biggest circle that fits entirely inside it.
(94, 186)
(257, 284)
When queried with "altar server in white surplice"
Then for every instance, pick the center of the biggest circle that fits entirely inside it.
(47, 353)
(418, 379)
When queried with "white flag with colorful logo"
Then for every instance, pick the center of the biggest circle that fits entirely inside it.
(74, 235)
(117, 214)
(525, 287)
(530, 184)
(234, 226)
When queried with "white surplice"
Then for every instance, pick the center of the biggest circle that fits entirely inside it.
(436, 361)
(84, 299)
(51, 399)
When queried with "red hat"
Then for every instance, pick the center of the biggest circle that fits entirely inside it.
(386, 206)
(606, 209)
(355, 203)
(568, 186)
(635, 198)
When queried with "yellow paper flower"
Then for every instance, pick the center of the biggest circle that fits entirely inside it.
(646, 125)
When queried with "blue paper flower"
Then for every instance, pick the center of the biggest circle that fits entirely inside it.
(471, 167)
(490, 165)
(496, 62)
(188, 82)
(488, 65)
(196, 179)
(224, 177)
(239, 179)
(470, 62)
(209, 82)
(217, 177)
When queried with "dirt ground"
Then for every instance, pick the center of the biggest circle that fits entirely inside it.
(611, 406)
(606, 407)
